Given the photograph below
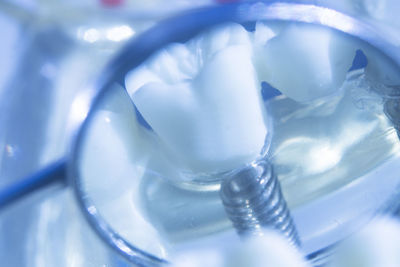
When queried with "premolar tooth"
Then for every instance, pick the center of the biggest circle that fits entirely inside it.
(305, 62)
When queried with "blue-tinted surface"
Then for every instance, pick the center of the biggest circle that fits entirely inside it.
(26, 107)
(141, 120)
(360, 61)
(268, 91)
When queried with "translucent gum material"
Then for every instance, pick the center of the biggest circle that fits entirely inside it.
(380, 69)
(347, 130)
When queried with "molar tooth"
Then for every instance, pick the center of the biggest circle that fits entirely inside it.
(171, 64)
(207, 110)
(221, 37)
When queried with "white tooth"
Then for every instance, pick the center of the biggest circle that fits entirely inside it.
(169, 109)
(305, 62)
(114, 141)
(186, 60)
(141, 76)
(222, 37)
(207, 110)
(262, 34)
(114, 134)
(232, 119)
(168, 64)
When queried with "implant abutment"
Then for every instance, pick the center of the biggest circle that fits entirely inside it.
(253, 200)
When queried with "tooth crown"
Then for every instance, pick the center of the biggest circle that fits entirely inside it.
(203, 98)
(305, 62)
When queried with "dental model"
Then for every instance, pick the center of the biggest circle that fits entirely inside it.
(203, 98)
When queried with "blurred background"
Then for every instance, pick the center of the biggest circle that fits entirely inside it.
(49, 50)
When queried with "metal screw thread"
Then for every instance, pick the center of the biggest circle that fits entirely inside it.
(392, 111)
(253, 200)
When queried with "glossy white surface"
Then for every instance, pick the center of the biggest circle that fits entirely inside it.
(201, 98)
(316, 60)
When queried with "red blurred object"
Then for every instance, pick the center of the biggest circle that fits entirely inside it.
(111, 3)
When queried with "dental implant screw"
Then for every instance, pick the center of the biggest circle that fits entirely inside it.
(253, 200)
(392, 111)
